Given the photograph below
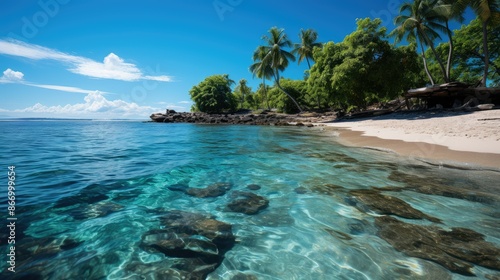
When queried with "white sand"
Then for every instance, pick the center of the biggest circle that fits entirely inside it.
(472, 132)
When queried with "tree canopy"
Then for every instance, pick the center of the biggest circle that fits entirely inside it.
(366, 67)
(214, 95)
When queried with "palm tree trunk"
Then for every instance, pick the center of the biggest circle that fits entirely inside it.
(438, 58)
(277, 79)
(425, 64)
(265, 93)
(486, 53)
(308, 63)
(450, 52)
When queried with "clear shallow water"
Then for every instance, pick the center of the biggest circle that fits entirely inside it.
(63, 168)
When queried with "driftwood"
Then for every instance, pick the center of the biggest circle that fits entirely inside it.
(369, 113)
(489, 119)
(446, 94)
(466, 106)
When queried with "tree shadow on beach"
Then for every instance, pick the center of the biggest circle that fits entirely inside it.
(406, 115)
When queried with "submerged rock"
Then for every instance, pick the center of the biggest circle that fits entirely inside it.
(39, 251)
(328, 189)
(247, 203)
(99, 209)
(180, 245)
(197, 241)
(243, 276)
(253, 187)
(436, 186)
(300, 190)
(195, 269)
(456, 250)
(197, 224)
(338, 234)
(82, 198)
(214, 190)
(333, 157)
(386, 205)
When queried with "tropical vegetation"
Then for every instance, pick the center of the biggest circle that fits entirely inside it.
(371, 65)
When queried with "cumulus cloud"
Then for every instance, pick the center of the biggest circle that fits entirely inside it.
(11, 76)
(112, 67)
(95, 105)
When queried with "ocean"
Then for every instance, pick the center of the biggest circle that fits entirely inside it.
(139, 200)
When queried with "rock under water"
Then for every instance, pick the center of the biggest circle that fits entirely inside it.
(247, 203)
(214, 190)
(195, 241)
(385, 205)
(456, 250)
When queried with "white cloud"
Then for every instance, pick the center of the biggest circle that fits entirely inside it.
(112, 67)
(18, 48)
(64, 88)
(11, 76)
(161, 78)
(95, 106)
(185, 102)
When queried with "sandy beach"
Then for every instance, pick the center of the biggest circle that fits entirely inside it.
(471, 138)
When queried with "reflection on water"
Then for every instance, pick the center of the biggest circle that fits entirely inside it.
(129, 200)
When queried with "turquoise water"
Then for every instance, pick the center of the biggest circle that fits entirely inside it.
(87, 191)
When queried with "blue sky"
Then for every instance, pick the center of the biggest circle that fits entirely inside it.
(128, 59)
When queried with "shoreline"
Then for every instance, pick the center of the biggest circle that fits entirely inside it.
(435, 154)
(465, 139)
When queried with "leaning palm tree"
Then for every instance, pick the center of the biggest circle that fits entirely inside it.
(305, 48)
(448, 11)
(489, 13)
(419, 22)
(276, 57)
(262, 70)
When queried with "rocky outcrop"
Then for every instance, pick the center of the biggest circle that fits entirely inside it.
(242, 119)
(457, 250)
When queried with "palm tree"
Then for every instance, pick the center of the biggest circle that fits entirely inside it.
(305, 48)
(448, 11)
(276, 57)
(489, 13)
(419, 21)
(261, 70)
(244, 90)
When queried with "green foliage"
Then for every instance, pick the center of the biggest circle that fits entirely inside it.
(304, 49)
(363, 69)
(241, 92)
(468, 61)
(281, 101)
(262, 95)
(213, 95)
(273, 58)
(319, 83)
(420, 21)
